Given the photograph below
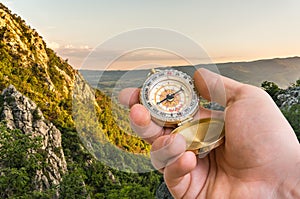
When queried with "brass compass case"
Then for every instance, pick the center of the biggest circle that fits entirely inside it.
(203, 135)
(172, 101)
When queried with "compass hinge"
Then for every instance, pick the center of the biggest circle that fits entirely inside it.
(185, 121)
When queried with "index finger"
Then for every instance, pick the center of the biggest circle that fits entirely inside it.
(129, 96)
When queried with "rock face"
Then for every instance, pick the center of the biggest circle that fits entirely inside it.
(289, 97)
(21, 113)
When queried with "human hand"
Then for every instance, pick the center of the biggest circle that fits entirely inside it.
(260, 156)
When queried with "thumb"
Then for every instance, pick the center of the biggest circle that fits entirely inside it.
(215, 87)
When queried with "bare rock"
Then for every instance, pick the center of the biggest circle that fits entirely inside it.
(289, 97)
(21, 113)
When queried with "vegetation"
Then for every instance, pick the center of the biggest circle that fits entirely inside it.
(48, 82)
(292, 113)
(21, 158)
(272, 89)
(293, 116)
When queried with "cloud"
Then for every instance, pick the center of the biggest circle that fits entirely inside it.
(53, 45)
(117, 59)
(84, 56)
(150, 55)
(71, 50)
(75, 54)
(143, 54)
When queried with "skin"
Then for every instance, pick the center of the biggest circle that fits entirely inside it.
(259, 158)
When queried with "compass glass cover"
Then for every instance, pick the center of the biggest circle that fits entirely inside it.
(170, 96)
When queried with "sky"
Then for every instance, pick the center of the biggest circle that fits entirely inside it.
(121, 34)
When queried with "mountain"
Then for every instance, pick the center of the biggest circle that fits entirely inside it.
(41, 75)
(48, 83)
(282, 71)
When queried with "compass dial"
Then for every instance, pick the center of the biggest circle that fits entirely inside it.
(170, 96)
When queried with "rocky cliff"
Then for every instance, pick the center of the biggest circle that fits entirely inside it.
(19, 112)
(289, 97)
(36, 88)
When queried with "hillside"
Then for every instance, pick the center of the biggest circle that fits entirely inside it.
(49, 81)
(282, 71)
(41, 75)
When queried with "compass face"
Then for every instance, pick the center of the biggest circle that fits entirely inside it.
(170, 96)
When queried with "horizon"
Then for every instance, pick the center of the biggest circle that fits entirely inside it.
(226, 31)
(220, 63)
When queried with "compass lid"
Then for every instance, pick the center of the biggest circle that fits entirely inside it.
(202, 135)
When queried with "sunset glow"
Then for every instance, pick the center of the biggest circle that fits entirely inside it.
(228, 31)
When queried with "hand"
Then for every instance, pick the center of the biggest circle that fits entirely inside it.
(259, 159)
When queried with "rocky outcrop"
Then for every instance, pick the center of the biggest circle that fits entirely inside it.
(19, 112)
(289, 97)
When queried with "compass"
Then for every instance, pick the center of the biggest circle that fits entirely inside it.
(170, 97)
(172, 101)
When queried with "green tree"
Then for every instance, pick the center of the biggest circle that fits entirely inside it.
(271, 88)
(131, 191)
(73, 186)
(292, 114)
(19, 163)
